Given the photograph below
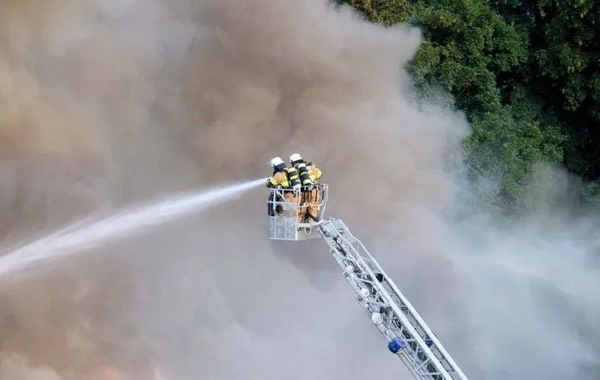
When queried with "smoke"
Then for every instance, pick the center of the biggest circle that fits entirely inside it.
(104, 103)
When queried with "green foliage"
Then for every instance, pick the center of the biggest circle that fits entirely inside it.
(525, 72)
(384, 12)
(507, 143)
(591, 194)
(467, 47)
(564, 69)
(567, 52)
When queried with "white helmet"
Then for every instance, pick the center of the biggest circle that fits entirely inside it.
(295, 157)
(275, 161)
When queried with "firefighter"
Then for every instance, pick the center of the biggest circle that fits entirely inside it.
(297, 162)
(310, 174)
(312, 209)
(314, 172)
(285, 178)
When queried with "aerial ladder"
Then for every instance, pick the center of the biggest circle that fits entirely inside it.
(408, 336)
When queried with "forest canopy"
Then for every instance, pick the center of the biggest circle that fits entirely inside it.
(526, 74)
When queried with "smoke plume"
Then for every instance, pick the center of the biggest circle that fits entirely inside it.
(103, 103)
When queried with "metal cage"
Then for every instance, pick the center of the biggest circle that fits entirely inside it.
(286, 207)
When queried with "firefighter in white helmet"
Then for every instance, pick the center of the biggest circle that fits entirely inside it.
(285, 178)
(309, 174)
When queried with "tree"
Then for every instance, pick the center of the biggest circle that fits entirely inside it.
(564, 69)
(473, 53)
(384, 12)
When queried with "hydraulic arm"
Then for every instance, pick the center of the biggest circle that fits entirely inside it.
(408, 336)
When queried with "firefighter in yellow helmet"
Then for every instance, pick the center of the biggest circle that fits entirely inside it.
(310, 174)
(285, 178)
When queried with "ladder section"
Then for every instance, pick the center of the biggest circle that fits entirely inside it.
(407, 334)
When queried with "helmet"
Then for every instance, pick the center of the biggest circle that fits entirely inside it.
(275, 161)
(295, 157)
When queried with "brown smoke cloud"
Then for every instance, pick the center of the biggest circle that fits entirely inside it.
(104, 103)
